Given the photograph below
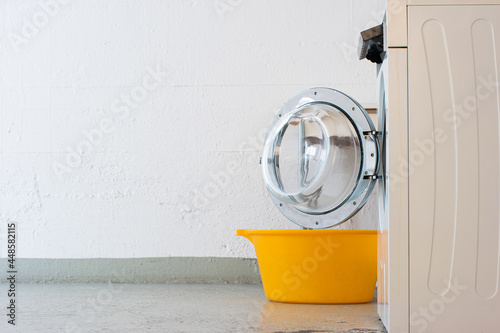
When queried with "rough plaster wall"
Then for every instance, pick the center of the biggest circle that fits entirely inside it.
(134, 128)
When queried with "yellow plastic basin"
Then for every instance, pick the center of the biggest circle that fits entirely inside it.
(316, 266)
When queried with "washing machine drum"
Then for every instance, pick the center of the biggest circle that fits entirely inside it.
(320, 159)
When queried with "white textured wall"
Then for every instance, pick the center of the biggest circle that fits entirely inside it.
(133, 128)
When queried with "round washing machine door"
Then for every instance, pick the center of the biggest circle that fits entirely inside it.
(320, 158)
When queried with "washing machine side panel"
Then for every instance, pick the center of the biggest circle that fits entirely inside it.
(397, 171)
(454, 169)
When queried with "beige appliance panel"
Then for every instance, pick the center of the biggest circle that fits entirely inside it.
(392, 287)
(454, 168)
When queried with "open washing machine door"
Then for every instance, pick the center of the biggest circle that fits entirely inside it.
(321, 158)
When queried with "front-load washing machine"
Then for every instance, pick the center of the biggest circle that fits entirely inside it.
(435, 159)
(439, 241)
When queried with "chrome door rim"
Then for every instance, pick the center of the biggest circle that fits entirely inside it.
(368, 168)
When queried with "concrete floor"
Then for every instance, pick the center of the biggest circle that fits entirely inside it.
(175, 308)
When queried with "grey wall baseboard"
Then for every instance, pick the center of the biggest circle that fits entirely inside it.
(138, 270)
